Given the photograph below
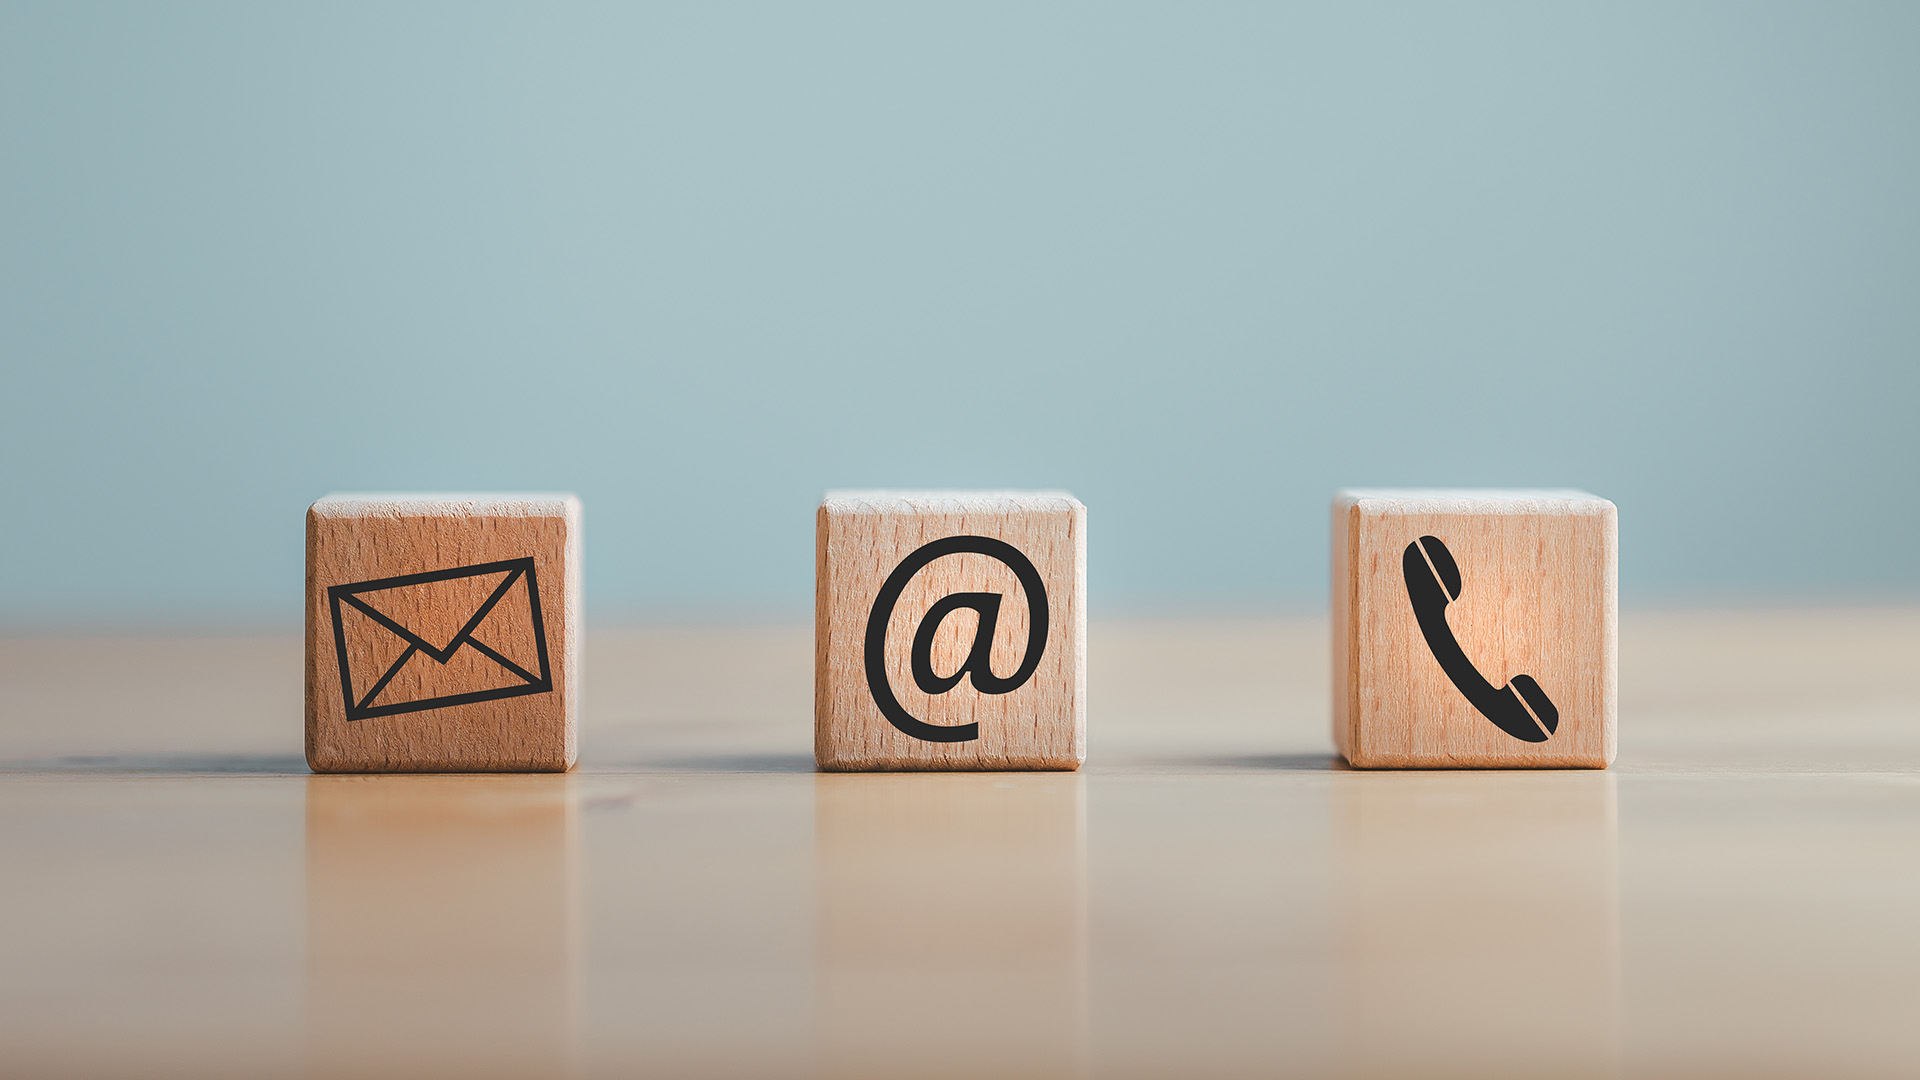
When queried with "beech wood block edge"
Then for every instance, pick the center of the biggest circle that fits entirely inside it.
(929, 648)
(443, 633)
(1475, 628)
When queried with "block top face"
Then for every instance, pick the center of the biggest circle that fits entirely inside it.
(946, 502)
(1472, 501)
(951, 630)
(453, 504)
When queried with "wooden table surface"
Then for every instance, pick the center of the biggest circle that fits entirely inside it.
(1212, 896)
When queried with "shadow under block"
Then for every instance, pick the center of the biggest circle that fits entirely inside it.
(950, 631)
(443, 633)
(1475, 629)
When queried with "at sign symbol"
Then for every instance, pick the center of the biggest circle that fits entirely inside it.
(977, 666)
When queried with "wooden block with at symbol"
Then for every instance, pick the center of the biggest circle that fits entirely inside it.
(1474, 629)
(950, 631)
(443, 633)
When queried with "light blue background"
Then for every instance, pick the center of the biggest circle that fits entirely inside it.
(1200, 264)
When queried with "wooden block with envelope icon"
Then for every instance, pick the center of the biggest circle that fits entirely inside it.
(1475, 628)
(443, 633)
(950, 631)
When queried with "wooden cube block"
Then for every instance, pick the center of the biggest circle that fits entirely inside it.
(950, 631)
(1474, 629)
(443, 633)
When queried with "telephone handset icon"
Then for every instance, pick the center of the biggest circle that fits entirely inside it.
(1520, 708)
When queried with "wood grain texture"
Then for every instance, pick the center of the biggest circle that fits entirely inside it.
(500, 694)
(863, 537)
(1538, 596)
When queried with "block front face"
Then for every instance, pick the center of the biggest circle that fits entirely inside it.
(950, 631)
(442, 633)
(1474, 629)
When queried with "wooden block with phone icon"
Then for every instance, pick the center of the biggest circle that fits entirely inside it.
(950, 631)
(443, 633)
(1474, 628)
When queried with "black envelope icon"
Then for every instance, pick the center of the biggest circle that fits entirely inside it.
(445, 637)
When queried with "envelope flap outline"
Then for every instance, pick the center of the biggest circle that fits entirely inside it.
(515, 569)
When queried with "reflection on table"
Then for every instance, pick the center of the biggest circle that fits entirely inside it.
(440, 924)
(952, 924)
(1476, 923)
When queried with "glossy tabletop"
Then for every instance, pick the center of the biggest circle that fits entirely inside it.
(1213, 895)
